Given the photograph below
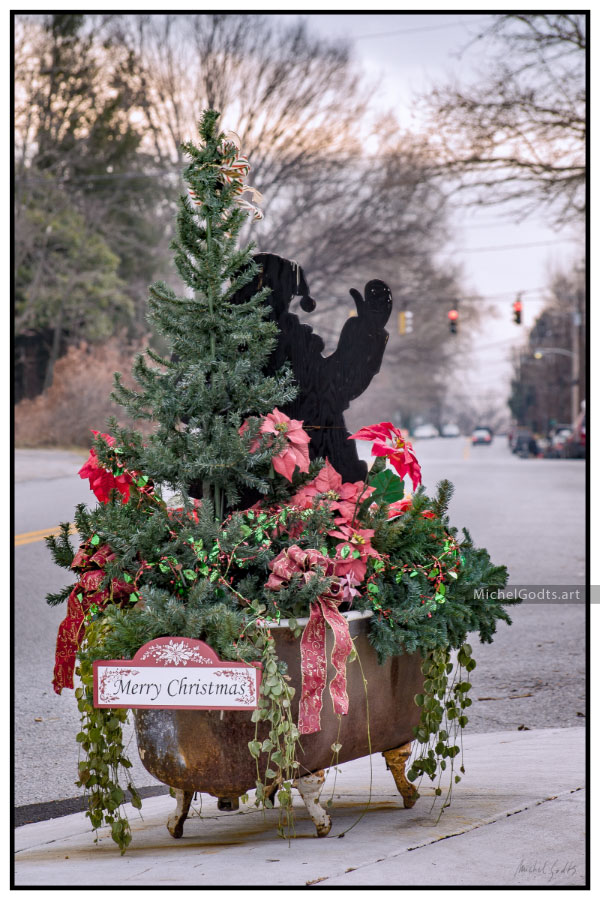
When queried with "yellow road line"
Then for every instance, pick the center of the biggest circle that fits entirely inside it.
(28, 537)
(467, 450)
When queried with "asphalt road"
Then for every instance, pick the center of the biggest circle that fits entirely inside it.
(529, 513)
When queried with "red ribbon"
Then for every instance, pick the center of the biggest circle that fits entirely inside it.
(308, 564)
(86, 592)
(314, 663)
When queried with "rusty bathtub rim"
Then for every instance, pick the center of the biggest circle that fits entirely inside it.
(351, 615)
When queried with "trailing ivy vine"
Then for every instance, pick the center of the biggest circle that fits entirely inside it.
(101, 740)
(275, 710)
(438, 736)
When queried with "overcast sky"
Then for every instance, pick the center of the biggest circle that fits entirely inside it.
(407, 54)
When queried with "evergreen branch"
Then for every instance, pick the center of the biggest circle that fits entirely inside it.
(60, 546)
(57, 598)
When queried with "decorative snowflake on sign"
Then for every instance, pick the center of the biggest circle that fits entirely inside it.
(175, 654)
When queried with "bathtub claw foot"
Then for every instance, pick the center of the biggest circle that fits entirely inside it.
(309, 787)
(396, 762)
(271, 792)
(176, 819)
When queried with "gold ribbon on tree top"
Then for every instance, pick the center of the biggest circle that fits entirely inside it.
(233, 169)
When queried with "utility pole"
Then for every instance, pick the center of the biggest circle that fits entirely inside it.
(575, 326)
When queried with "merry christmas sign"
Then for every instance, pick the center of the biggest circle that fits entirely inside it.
(175, 673)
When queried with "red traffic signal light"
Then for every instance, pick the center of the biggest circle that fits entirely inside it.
(517, 309)
(453, 320)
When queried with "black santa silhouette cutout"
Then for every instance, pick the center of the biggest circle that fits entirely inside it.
(327, 384)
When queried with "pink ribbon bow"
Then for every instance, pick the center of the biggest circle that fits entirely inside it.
(323, 611)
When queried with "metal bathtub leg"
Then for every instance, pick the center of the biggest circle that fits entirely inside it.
(309, 787)
(176, 819)
(396, 761)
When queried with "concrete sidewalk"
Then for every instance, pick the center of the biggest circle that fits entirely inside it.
(516, 819)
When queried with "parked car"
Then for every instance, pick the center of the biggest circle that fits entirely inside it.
(481, 436)
(574, 446)
(525, 444)
(544, 446)
(450, 430)
(558, 436)
(425, 431)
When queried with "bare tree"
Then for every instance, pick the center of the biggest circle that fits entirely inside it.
(347, 195)
(302, 114)
(553, 364)
(518, 131)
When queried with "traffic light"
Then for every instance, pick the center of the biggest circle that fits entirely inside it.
(517, 309)
(453, 320)
(405, 322)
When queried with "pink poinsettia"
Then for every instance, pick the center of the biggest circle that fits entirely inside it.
(353, 540)
(349, 591)
(295, 453)
(102, 481)
(341, 497)
(389, 441)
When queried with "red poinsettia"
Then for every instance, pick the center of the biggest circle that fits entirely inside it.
(178, 513)
(353, 540)
(341, 497)
(396, 509)
(102, 481)
(389, 441)
(295, 453)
